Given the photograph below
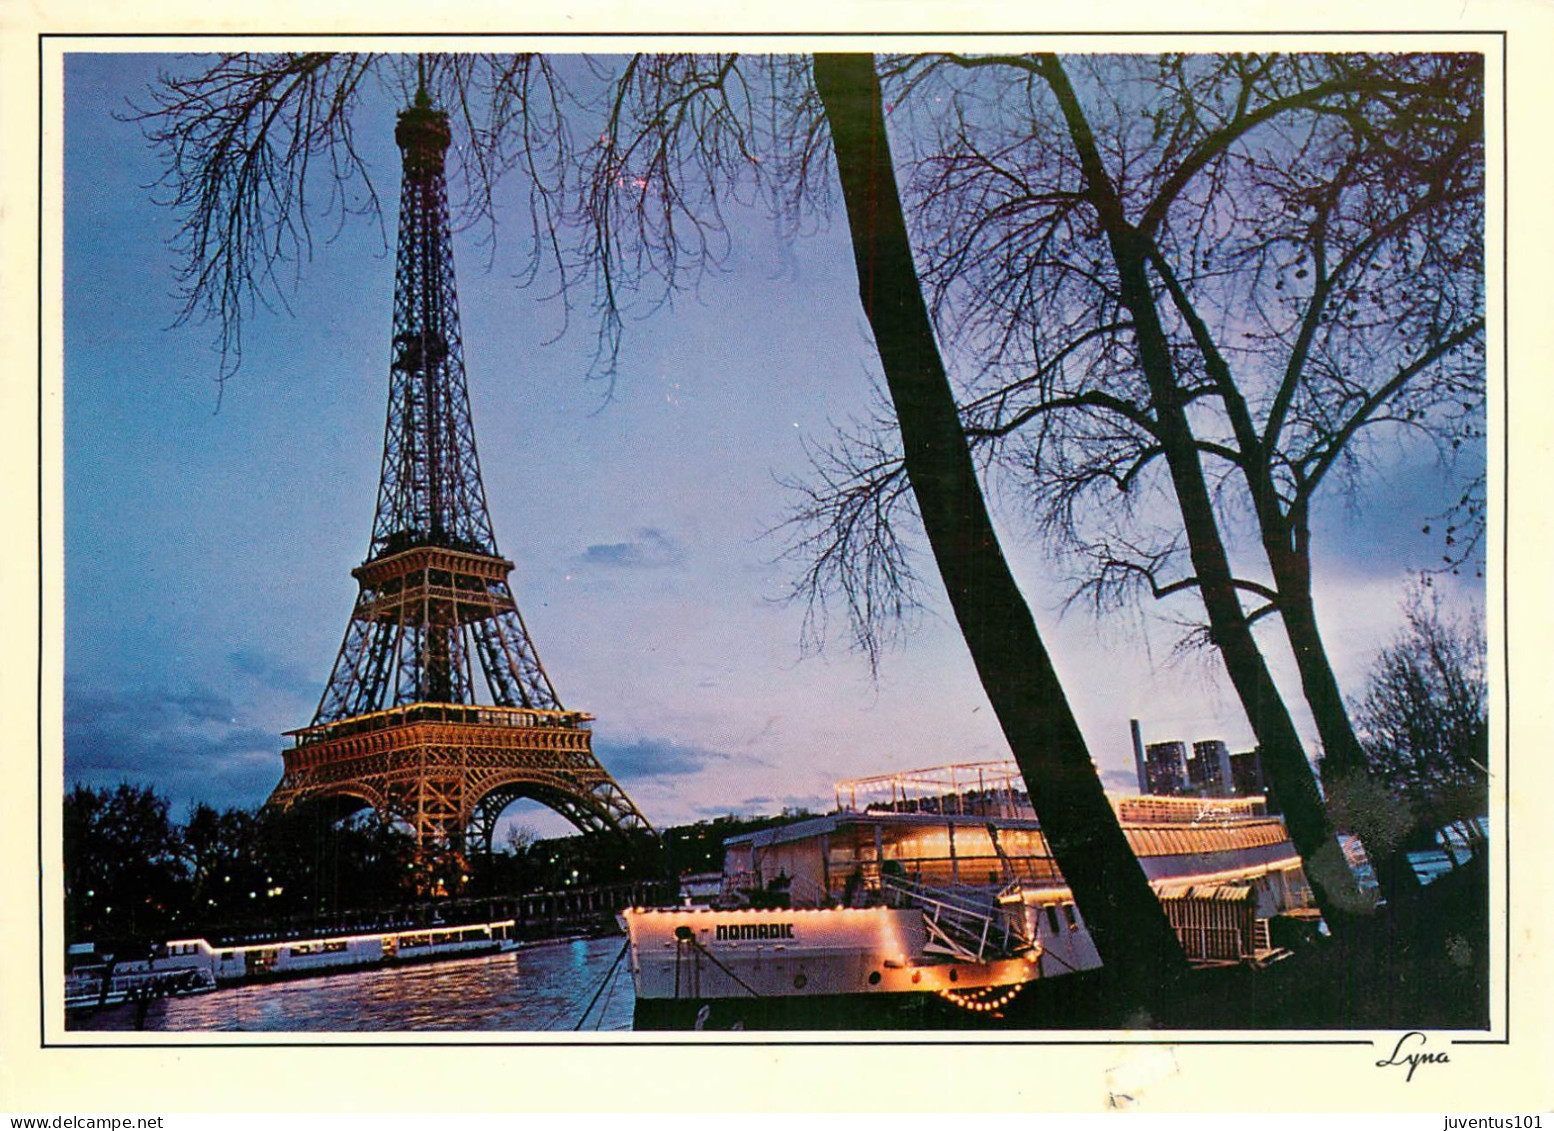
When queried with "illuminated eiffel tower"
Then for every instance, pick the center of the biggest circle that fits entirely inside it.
(438, 713)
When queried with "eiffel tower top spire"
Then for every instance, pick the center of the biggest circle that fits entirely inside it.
(430, 492)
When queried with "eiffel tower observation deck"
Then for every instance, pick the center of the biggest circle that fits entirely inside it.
(438, 713)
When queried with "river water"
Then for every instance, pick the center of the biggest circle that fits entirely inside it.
(546, 987)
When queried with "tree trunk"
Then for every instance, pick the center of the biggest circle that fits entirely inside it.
(1283, 756)
(1286, 543)
(1340, 748)
(1369, 811)
(1136, 943)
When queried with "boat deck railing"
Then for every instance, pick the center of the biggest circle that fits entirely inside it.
(966, 923)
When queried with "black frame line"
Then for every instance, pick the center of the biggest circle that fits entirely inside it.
(642, 33)
(690, 1043)
(1034, 1039)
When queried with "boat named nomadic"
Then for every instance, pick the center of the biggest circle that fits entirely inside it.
(940, 892)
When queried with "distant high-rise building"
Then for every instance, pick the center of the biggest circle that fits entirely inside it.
(1165, 767)
(1246, 774)
(1208, 770)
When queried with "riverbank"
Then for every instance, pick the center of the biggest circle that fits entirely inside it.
(536, 915)
(1420, 963)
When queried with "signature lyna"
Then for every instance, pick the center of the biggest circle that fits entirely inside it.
(1412, 1059)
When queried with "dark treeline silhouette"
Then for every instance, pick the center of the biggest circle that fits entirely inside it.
(134, 876)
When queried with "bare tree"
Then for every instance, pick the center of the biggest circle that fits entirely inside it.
(1424, 716)
(678, 139)
(1214, 283)
(519, 839)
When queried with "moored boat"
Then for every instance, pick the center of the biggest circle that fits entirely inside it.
(939, 885)
(195, 965)
(685, 958)
(99, 984)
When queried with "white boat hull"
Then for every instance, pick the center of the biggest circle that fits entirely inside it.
(700, 954)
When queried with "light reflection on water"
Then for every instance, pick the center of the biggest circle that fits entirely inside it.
(544, 987)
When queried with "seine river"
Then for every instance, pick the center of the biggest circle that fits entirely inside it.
(544, 987)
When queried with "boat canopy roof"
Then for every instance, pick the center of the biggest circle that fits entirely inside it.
(834, 822)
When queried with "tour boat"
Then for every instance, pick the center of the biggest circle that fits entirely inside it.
(194, 965)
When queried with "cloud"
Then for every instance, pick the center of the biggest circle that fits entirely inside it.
(765, 805)
(1393, 525)
(194, 744)
(1121, 781)
(651, 549)
(272, 671)
(653, 757)
(190, 744)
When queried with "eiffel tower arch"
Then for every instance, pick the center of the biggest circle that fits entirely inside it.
(438, 712)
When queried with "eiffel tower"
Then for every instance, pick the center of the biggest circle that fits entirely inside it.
(404, 725)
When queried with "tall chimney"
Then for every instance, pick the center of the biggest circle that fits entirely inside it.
(1138, 756)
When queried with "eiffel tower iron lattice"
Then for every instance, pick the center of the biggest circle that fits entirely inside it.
(402, 725)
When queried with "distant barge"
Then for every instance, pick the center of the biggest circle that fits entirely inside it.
(190, 966)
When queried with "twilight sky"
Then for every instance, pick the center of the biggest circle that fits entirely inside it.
(208, 552)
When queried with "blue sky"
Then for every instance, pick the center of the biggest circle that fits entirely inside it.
(208, 551)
